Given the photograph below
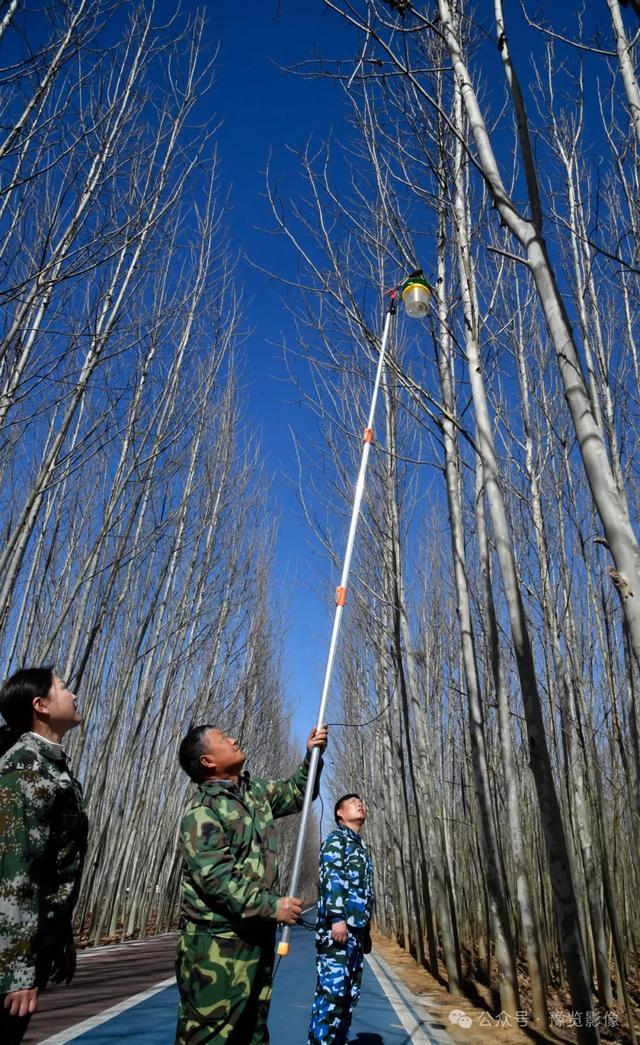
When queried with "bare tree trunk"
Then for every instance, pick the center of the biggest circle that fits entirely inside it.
(564, 891)
(505, 955)
(532, 945)
(627, 71)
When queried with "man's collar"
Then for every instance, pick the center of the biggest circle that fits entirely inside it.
(229, 785)
(350, 831)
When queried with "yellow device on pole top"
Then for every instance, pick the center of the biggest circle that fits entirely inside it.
(415, 293)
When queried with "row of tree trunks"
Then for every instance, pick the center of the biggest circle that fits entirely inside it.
(523, 778)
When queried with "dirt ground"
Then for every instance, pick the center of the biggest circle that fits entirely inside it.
(473, 1018)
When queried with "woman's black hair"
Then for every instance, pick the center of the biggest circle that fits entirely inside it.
(17, 695)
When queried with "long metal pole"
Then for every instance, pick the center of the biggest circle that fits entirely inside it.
(341, 598)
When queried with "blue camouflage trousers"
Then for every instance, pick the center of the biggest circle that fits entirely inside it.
(337, 990)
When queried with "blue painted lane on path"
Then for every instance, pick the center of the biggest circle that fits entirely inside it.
(375, 1022)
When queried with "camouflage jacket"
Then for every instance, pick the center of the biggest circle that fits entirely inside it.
(345, 889)
(43, 828)
(228, 848)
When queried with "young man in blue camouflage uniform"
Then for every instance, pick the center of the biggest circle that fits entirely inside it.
(345, 905)
(229, 903)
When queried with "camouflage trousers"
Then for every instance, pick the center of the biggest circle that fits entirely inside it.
(225, 986)
(337, 990)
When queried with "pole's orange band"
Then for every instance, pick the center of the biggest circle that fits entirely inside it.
(341, 596)
(368, 435)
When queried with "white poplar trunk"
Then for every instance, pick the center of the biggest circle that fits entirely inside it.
(627, 71)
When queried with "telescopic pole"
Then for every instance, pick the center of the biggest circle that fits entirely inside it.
(341, 598)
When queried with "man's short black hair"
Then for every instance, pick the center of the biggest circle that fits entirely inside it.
(352, 794)
(191, 748)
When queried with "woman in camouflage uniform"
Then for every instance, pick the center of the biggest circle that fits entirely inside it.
(43, 828)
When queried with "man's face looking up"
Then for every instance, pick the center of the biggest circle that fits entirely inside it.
(352, 811)
(221, 756)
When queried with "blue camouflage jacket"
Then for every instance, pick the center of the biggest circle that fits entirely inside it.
(345, 890)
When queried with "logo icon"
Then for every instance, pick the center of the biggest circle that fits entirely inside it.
(460, 1018)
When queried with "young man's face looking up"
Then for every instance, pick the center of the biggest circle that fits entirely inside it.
(352, 813)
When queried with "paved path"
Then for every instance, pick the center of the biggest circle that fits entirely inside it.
(105, 976)
(128, 994)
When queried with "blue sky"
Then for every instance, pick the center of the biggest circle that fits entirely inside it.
(266, 113)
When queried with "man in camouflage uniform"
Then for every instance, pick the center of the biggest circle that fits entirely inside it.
(44, 838)
(345, 905)
(229, 904)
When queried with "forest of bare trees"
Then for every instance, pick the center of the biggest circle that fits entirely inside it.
(489, 674)
(486, 704)
(135, 556)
